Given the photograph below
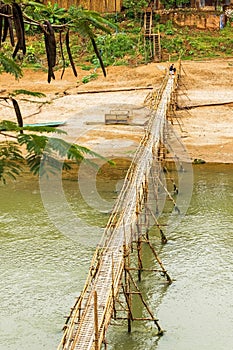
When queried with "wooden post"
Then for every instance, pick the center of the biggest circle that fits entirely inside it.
(139, 249)
(113, 296)
(160, 262)
(160, 331)
(127, 288)
(131, 237)
(96, 321)
(163, 237)
(105, 340)
(146, 216)
(155, 188)
(129, 297)
(145, 204)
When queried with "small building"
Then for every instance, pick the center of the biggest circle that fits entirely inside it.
(102, 6)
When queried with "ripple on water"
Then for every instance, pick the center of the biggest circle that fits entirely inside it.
(42, 271)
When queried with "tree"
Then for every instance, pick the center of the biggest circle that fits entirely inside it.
(8, 65)
(13, 19)
(40, 147)
(135, 6)
(172, 4)
(32, 146)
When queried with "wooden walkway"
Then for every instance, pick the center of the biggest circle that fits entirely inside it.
(87, 324)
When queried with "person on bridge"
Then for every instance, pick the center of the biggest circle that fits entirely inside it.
(172, 70)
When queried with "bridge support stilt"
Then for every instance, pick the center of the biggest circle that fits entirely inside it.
(131, 289)
(96, 321)
(126, 288)
(139, 249)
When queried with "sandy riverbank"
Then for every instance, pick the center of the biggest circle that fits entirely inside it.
(207, 131)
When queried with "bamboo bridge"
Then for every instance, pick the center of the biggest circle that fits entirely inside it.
(110, 286)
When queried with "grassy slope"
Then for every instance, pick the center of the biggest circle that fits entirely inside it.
(127, 47)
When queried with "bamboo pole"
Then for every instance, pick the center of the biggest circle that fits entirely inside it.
(113, 294)
(146, 216)
(169, 195)
(96, 321)
(156, 196)
(139, 253)
(160, 262)
(160, 331)
(163, 237)
(130, 316)
(126, 289)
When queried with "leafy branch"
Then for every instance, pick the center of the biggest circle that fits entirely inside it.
(8, 65)
(13, 19)
(31, 145)
(36, 150)
(34, 147)
(10, 157)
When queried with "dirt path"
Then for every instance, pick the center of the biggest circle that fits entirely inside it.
(207, 131)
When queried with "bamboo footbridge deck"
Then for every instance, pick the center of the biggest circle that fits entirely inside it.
(110, 271)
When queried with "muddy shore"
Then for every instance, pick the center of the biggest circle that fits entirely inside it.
(204, 120)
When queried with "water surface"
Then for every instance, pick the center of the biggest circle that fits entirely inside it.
(42, 270)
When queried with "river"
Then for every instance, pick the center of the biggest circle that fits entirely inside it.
(42, 270)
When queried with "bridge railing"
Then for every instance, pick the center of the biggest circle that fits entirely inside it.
(71, 321)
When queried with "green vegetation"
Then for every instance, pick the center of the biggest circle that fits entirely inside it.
(91, 41)
(168, 4)
(198, 44)
(54, 26)
(134, 7)
(39, 148)
(89, 77)
(9, 66)
(126, 45)
(31, 145)
(93, 45)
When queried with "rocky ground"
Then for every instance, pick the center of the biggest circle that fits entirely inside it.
(204, 120)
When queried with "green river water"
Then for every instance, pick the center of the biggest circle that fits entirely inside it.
(42, 270)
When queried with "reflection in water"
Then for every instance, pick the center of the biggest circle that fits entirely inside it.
(43, 271)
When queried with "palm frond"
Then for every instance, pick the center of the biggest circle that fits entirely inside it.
(10, 158)
(7, 125)
(9, 66)
(43, 129)
(99, 22)
(82, 16)
(27, 92)
(35, 144)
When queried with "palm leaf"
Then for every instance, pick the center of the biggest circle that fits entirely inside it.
(7, 125)
(27, 92)
(35, 144)
(10, 158)
(44, 129)
(9, 66)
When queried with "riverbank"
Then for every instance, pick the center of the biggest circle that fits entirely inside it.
(205, 106)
